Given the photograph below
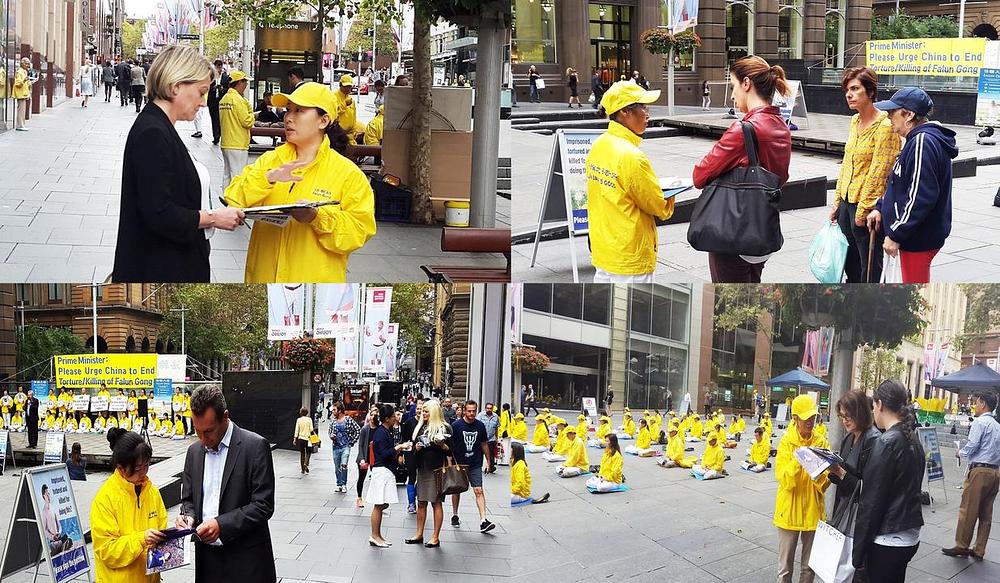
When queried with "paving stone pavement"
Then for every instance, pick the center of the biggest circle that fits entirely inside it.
(59, 205)
(320, 537)
(671, 527)
(971, 253)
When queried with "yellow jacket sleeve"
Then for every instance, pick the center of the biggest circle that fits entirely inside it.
(611, 468)
(251, 186)
(787, 470)
(520, 480)
(348, 226)
(887, 146)
(643, 441)
(244, 114)
(643, 187)
(111, 547)
(577, 457)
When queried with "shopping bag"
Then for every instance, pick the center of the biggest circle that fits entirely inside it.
(828, 253)
(452, 478)
(593, 98)
(540, 83)
(892, 272)
(831, 554)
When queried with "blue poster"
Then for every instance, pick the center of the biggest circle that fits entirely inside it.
(163, 389)
(41, 389)
(932, 451)
(59, 522)
(988, 100)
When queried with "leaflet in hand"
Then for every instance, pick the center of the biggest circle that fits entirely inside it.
(278, 214)
(674, 185)
(170, 554)
(811, 461)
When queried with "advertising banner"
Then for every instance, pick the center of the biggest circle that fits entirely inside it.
(171, 366)
(58, 522)
(685, 14)
(124, 371)
(825, 350)
(285, 309)
(942, 57)
(942, 358)
(378, 301)
(336, 314)
(345, 355)
(809, 351)
(932, 451)
(929, 361)
(516, 291)
(391, 348)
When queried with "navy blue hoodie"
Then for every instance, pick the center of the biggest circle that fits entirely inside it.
(916, 207)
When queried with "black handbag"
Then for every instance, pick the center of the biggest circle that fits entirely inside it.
(452, 478)
(737, 213)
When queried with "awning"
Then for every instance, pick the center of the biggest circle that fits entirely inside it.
(797, 378)
(973, 378)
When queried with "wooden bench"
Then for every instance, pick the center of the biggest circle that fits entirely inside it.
(275, 133)
(466, 240)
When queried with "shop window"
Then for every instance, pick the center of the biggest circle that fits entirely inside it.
(790, 29)
(597, 303)
(538, 296)
(533, 31)
(567, 300)
(836, 31)
(739, 29)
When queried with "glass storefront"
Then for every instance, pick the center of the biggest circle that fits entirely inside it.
(739, 31)
(576, 371)
(588, 302)
(657, 356)
(611, 40)
(533, 31)
(790, 30)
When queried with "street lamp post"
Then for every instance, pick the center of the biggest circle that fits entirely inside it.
(183, 310)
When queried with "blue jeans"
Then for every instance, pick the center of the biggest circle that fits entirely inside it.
(533, 94)
(340, 457)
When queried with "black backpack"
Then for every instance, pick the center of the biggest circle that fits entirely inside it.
(737, 213)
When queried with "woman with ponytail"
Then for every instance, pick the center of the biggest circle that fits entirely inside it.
(127, 516)
(754, 84)
(887, 531)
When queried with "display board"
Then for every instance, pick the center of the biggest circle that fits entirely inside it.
(117, 371)
(590, 406)
(988, 94)
(55, 447)
(40, 389)
(939, 57)
(932, 451)
(5, 447)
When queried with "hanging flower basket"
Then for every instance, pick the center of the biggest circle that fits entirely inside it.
(309, 354)
(659, 41)
(530, 360)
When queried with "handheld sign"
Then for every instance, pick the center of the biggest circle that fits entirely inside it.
(99, 404)
(119, 403)
(55, 447)
(81, 403)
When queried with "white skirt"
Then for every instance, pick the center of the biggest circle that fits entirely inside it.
(381, 487)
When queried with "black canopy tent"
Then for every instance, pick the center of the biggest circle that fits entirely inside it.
(973, 378)
(797, 378)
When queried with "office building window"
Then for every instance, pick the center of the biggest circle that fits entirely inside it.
(790, 29)
(533, 34)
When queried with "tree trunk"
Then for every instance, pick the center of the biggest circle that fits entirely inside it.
(840, 384)
(420, 136)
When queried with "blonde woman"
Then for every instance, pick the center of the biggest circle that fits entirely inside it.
(430, 442)
(87, 75)
(573, 82)
(164, 226)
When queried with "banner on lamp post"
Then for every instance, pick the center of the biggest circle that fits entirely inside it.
(392, 348)
(335, 314)
(285, 310)
(378, 301)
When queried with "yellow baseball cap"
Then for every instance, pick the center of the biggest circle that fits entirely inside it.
(308, 95)
(235, 76)
(625, 93)
(346, 81)
(519, 416)
(804, 407)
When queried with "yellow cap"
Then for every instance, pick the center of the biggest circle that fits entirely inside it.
(235, 76)
(541, 418)
(605, 419)
(381, 110)
(581, 417)
(625, 93)
(570, 429)
(346, 81)
(672, 429)
(804, 407)
(627, 414)
(519, 416)
(308, 95)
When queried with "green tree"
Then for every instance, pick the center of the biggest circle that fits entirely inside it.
(220, 38)
(222, 320)
(413, 308)
(38, 345)
(905, 25)
(132, 37)
(982, 313)
(878, 364)
(360, 39)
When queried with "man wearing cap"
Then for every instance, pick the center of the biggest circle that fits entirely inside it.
(347, 110)
(624, 197)
(374, 129)
(915, 211)
(236, 118)
(799, 504)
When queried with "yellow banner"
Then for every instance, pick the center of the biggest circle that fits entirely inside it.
(943, 57)
(117, 371)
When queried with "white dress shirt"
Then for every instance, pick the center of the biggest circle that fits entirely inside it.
(211, 483)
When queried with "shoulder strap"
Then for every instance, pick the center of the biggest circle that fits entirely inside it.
(750, 143)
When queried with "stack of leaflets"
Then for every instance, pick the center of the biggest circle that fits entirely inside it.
(278, 214)
(172, 553)
(673, 185)
(815, 460)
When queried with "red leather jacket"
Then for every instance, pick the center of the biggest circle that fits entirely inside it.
(774, 147)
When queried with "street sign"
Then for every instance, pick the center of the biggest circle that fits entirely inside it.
(188, 37)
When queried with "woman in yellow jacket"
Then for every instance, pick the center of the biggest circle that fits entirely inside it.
(540, 438)
(602, 433)
(610, 476)
(674, 456)
(798, 506)
(186, 413)
(624, 197)
(760, 451)
(520, 478)
(127, 516)
(308, 168)
(642, 442)
(576, 458)
(562, 444)
(504, 430)
(582, 426)
(713, 461)
(518, 428)
(697, 429)
(628, 426)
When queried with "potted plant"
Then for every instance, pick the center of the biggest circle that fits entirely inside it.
(660, 41)
(309, 354)
(530, 360)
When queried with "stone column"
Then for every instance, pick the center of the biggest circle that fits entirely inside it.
(859, 29)
(573, 44)
(646, 15)
(766, 29)
(619, 347)
(814, 32)
(710, 59)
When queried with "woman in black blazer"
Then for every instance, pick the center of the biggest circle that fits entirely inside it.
(162, 230)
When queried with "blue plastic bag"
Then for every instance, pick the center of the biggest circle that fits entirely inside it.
(828, 253)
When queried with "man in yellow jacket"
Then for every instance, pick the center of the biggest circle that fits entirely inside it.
(22, 93)
(346, 112)
(576, 456)
(799, 506)
(236, 117)
(624, 197)
(374, 129)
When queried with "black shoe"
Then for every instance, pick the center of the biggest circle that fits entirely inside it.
(414, 541)
(486, 526)
(956, 552)
(432, 545)
(542, 500)
(455, 521)
(196, 135)
(975, 555)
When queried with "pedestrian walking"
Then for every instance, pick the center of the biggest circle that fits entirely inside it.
(227, 494)
(138, 81)
(381, 489)
(217, 90)
(108, 79)
(596, 89)
(431, 439)
(22, 93)
(317, 244)
(236, 118)
(344, 432)
(754, 84)
(161, 234)
(127, 516)
(887, 529)
(123, 77)
(609, 399)
(300, 438)
(624, 196)
(982, 454)
(799, 504)
(855, 413)
(573, 82)
(448, 410)
(470, 446)
(364, 447)
(533, 78)
(871, 150)
(492, 423)
(88, 76)
(706, 96)
(915, 212)
(709, 401)
(530, 400)
(31, 419)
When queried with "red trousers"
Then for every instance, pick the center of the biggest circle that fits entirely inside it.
(916, 265)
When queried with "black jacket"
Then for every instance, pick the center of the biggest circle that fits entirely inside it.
(246, 503)
(890, 496)
(31, 411)
(856, 459)
(124, 74)
(158, 235)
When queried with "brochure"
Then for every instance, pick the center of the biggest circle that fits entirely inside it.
(812, 461)
(172, 553)
(673, 185)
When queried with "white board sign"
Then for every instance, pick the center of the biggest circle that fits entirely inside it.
(55, 447)
(81, 403)
(782, 413)
(4, 447)
(99, 404)
(118, 404)
(590, 406)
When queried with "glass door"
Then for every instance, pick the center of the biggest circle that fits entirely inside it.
(611, 41)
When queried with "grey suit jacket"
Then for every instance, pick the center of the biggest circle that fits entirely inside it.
(246, 503)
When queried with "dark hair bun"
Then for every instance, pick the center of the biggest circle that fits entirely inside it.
(114, 435)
